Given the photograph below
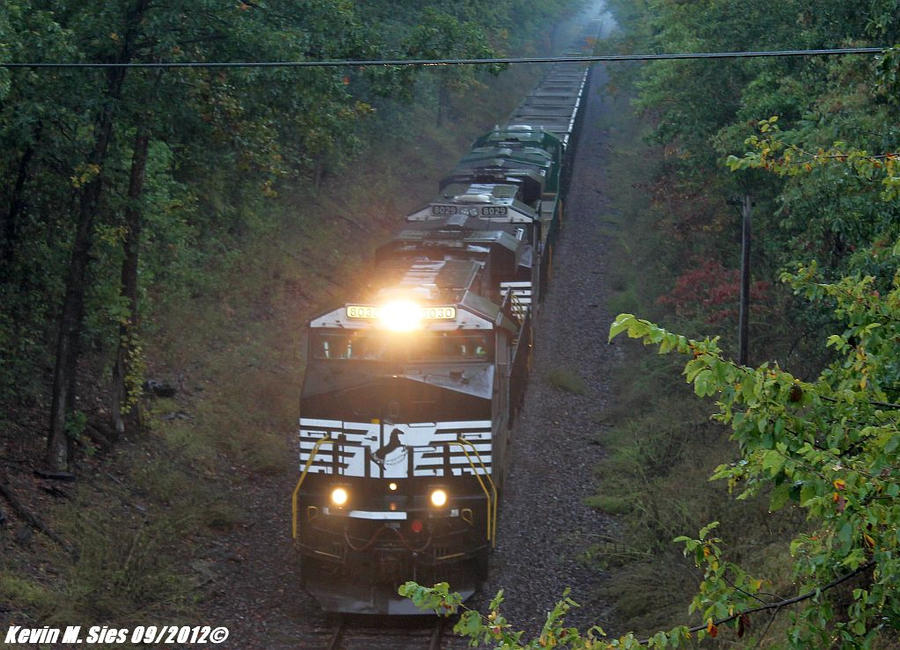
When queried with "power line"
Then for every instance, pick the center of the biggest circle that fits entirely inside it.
(602, 58)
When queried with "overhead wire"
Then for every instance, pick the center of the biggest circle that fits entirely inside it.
(333, 63)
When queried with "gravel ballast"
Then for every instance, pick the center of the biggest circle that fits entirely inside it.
(544, 524)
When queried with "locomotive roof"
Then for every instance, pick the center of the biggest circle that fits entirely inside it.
(529, 178)
(432, 280)
(429, 282)
(512, 150)
(467, 233)
(521, 133)
(489, 201)
(509, 166)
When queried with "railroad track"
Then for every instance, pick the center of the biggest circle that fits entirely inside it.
(380, 633)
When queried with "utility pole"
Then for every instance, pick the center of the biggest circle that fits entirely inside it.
(744, 313)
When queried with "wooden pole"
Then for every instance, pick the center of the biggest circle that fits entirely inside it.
(744, 313)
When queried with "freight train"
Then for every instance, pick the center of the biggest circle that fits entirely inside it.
(410, 390)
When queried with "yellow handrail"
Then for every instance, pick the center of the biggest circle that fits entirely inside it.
(312, 455)
(492, 510)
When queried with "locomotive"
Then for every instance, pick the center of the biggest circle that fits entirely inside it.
(410, 391)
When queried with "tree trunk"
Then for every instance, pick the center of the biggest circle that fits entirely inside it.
(129, 286)
(72, 313)
(17, 202)
(71, 317)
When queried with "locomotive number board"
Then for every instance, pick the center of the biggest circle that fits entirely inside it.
(483, 211)
(373, 312)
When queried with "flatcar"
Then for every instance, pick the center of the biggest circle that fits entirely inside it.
(411, 389)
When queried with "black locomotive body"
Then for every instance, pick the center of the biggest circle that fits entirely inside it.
(410, 392)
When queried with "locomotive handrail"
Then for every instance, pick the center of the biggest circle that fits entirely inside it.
(511, 306)
(312, 456)
(492, 503)
(506, 303)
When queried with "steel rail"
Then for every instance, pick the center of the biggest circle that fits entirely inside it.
(437, 635)
(335, 641)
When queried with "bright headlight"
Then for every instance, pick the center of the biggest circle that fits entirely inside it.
(400, 316)
(339, 496)
(439, 498)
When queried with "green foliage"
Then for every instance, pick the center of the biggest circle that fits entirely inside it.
(702, 113)
(26, 593)
(652, 476)
(441, 35)
(493, 628)
(829, 446)
(774, 153)
(124, 574)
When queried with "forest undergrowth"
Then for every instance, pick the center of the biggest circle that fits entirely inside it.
(660, 446)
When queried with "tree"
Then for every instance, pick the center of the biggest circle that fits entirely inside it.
(829, 446)
(443, 36)
(36, 136)
(127, 360)
(242, 132)
(89, 193)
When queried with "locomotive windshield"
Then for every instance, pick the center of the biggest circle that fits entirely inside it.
(365, 345)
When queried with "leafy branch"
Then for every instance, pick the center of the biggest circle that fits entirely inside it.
(771, 151)
(494, 627)
(781, 604)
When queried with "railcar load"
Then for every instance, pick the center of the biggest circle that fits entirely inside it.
(410, 391)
